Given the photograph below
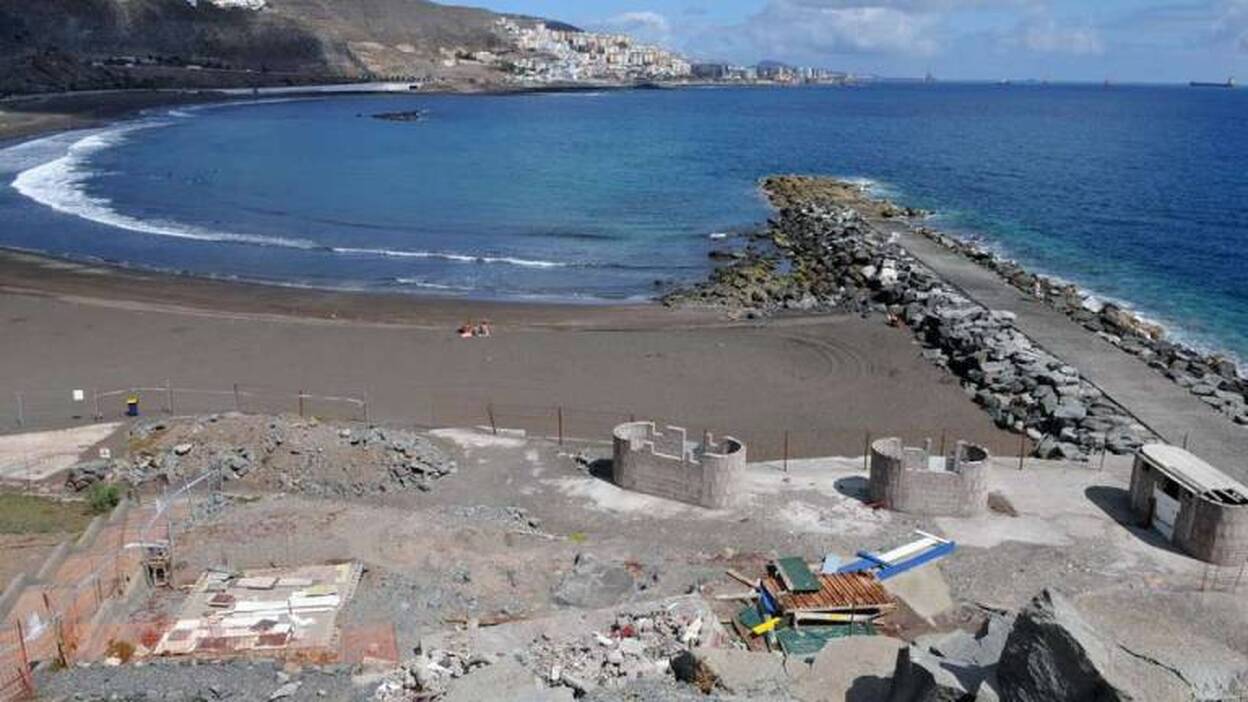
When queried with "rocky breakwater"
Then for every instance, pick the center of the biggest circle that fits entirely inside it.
(820, 253)
(1212, 377)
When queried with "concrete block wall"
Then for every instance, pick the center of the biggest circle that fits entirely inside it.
(660, 463)
(901, 480)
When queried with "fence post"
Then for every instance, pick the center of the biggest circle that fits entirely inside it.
(27, 678)
(1022, 447)
(21, 413)
(786, 450)
(95, 398)
(301, 403)
(489, 409)
(238, 404)
(942, 441)
(169, 394)
(559, 409)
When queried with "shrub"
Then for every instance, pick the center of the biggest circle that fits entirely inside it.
(103, 497)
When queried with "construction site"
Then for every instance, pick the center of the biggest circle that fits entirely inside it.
(274, 556)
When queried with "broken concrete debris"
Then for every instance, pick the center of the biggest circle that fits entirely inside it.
(84, 475)
(579, 653)
(287, 453)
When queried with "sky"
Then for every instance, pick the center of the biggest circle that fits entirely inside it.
(1086, 40)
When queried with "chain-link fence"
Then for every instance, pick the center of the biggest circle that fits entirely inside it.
(62, 613)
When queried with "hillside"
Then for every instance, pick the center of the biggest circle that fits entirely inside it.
(78, 44)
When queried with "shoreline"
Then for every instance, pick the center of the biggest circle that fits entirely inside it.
(110, 285)
(835, 246)
(1213, 377)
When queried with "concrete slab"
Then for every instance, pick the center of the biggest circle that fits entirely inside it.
(41, 455)
(1166, 408)
(924, 590)
(854, 669)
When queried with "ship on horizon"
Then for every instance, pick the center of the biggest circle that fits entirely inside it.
(1230, 83)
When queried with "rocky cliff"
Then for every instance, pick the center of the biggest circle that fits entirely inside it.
(78, 44)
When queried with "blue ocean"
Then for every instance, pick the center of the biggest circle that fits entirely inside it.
(1136, 193)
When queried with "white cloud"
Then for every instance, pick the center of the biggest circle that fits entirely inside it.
(644, 25)
(1232, 23)
(1047, 36)
(819, 28)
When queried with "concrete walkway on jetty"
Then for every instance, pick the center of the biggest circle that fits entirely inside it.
(1161, 405)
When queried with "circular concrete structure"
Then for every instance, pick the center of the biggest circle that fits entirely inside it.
(911, 480)
(665, 464)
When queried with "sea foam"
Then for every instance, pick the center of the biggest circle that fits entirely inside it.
(61, 184)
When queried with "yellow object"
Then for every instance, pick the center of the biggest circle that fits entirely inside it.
(769, 625)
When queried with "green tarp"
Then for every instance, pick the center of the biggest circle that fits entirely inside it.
(810, 640)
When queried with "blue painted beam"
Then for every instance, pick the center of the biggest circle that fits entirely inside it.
(938, 551)
(858, 566)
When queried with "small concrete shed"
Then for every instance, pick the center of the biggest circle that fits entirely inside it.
(1197, 507)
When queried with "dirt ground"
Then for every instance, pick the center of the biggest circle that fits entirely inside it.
(496, 540)
(524, 529)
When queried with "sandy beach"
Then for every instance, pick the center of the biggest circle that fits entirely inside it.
(827, 380)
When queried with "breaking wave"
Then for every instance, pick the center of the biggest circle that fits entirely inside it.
(461, 258)
(61, 184)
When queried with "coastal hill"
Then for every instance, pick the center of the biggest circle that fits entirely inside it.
(55, 45)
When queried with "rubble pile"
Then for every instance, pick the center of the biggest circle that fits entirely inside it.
(1212, 377)
(288, 454)
(825, 255)
(88, 473)
(637, 645)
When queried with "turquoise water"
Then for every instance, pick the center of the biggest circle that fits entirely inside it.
(1135, 192)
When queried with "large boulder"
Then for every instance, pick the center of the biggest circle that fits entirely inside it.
(755, 675)
(1053, 655)
(924, 677)
(592, 583)
(981, 649)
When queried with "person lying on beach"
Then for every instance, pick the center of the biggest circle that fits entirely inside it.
(470, 329)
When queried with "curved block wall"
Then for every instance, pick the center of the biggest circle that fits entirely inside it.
(664, 464)
(903, 479)
(1211, 530)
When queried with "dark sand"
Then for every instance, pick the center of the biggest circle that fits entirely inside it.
(28, 116)
(827, 380)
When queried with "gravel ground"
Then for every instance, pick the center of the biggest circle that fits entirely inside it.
(167, 681)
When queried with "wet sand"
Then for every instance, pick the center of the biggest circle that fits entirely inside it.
(827, 380)
(34, 115)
